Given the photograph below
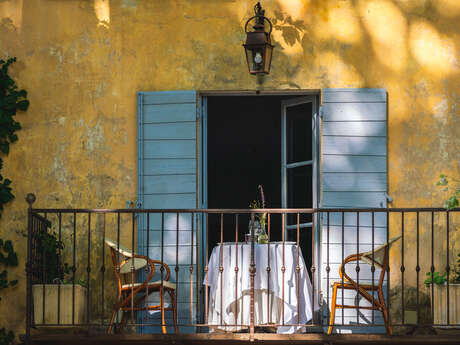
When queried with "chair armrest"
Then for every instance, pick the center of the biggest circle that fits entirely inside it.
(168, 271)
(348, 259)
(126, 265)
(152, 264)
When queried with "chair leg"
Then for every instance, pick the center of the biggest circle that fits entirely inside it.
(174, 305)
(162, 310)
(385, 313)
(332, 318)
(112, 320)
(122, 322)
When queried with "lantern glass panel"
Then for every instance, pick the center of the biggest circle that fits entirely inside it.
(268, 57)
(257, 60)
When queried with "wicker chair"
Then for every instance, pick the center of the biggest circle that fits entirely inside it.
(379, 258)
(132, 295)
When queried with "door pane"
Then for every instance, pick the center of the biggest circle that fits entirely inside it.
(299, 192)
(299, 126)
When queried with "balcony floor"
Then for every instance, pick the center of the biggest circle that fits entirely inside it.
(241, 339)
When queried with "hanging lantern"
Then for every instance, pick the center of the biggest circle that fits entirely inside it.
(258, 47)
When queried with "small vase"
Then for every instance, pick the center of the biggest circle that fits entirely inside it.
(262, 238)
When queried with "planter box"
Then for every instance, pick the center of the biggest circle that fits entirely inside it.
(440, 304)
(51, 304)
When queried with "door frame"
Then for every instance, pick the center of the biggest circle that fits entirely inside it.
(202, 116)
(202, 183)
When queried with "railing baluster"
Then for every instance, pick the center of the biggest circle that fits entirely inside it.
(269, 316)
(42, 228)
(176, 269)
(402, 269)
(297, 268)
(118, 267)
(236, 270)
(328, 268)
(162, 292)
(343, 267)
(357, 268)
(252, 272)
(59, 268)
(432, 268)
(283, 268)
(74, 264)
(313, 269)
(103, 268)
(206, 271)
(132, 269)
(221, 267)
(30, 254)
(147, 268)
(417, 269)
(388, 265)
(191, 268)
(373, 265)
(447, 266)
(88, 270)
(320, 292)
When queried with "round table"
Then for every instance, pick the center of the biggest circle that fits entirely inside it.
(229, 290)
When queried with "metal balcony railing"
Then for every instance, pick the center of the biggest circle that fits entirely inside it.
(195, 270)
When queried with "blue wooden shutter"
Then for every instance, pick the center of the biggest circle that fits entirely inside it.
(354, 175)
(167, 147)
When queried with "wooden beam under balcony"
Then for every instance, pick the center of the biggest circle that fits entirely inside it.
(240, 339)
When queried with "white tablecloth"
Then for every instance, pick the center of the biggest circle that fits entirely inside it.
(236, 305)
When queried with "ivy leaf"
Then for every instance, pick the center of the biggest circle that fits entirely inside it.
(13, 138)
(23, 105)
(5, 148)
(452, 202)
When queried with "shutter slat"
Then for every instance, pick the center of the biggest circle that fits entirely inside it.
(169, 97)
(169, 149)
(170, 130)
(168, 166)
(353, 199)
(350, 112)
(354, 164)
(348, 182)
(169, 113)
(170, 184)
(354, 95)
(358, 129)
(354, 145)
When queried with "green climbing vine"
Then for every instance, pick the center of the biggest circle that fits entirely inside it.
(12, 100)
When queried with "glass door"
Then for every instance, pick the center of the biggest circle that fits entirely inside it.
(299, 167)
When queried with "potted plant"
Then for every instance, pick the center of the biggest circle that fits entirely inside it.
(439, 281)
(439, 296)
(53, 288)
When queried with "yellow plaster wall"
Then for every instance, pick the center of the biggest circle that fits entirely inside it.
(82, 62)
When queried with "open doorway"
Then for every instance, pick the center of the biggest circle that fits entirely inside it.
(244, 149)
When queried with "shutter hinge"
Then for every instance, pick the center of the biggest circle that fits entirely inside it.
(198, 113)
(133, 204)
(388, 198)
(321, 112)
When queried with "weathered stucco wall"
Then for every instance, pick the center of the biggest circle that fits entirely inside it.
(82, 62)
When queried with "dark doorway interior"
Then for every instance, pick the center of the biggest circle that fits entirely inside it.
(244, 150)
